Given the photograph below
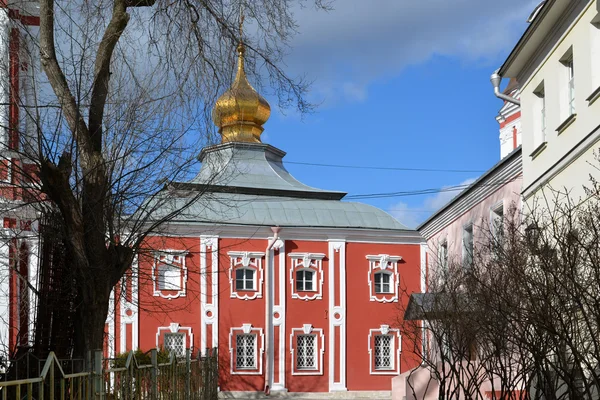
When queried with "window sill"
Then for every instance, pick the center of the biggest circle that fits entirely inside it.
(538, 150)
(594, 96)
(566, 123)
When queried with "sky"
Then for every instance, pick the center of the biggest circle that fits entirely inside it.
(399, 84)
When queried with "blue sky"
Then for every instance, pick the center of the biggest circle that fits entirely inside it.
(400, 83)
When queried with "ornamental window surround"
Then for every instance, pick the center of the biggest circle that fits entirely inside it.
(383, 278)
(385, 346)
(169, 274)
(175, 338)
(307, 347)
(306, 276)
(246, 275)
(246, 349)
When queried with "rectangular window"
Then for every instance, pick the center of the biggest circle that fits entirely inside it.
(245, 351)
(175, 343)
(383, 282)
(384, 352)
(244, 279)
(304, 281)
(539, 136)
(306, 352)
(567, 91)
(497, 226)
(443, 258)
(169, 277)
(468, 246)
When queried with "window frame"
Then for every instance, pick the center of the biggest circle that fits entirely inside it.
(390, 283)
(245, 279)
(173, 335)
(304, 281)
(315, 349)
(165, 284)
(395, 350)
(390, 354)
(173, 260)
(254, 365)
(468, 248)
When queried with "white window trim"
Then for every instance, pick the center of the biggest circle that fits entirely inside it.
(174, 327)
(312, 262)
(387, 263)
(169, 254)
(247, 329)
(494, 214)
(307, 329)
(396, 350)
(247, 260)
(391, 282)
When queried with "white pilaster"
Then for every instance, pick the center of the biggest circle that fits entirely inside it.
(209, 310)
(337, 313)
(4, 76)
(4, 291)
(133, 307)
(279, 310)
(33, 272)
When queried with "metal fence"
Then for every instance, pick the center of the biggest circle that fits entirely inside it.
(184, 378)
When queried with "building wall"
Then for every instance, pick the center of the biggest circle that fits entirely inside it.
(344, 312)
(578, 32)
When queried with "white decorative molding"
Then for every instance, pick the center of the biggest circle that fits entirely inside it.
(130, 310)
(337, 311)
(173, 258)
(279, 313)
(308, 329)
(249, 260)
(174, 327)
(310, 262)
(395, 351)
(259, 350)
(209, 307)
(389, 264)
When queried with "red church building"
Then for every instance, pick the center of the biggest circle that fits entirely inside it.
(299, 290)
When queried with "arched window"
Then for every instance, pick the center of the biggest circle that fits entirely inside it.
(383, 282)
(305, 280)
(244, 279)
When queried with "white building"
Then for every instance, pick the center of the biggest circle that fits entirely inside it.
(557, 63)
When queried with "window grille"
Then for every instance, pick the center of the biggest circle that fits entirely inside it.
(306, 350)
(305, 281)
(175, 343)
(383, 282)
(383, 352)
(244, 279)
(245, 351)
(169, 277)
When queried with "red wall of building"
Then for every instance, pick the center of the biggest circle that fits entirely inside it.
(363, 314)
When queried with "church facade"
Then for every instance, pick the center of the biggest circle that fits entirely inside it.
(298, 290)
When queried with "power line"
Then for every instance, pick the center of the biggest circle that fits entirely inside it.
(384, 168)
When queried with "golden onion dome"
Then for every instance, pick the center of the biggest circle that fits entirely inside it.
(240, 112)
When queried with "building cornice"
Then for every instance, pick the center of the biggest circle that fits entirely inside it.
(505, 171)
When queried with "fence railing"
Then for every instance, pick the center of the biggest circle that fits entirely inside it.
(178, 379)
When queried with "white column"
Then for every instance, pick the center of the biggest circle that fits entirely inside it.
(337, 313)
(4, 76)
(279, 309)
(33, 272)
(209, 307)
(4, 291)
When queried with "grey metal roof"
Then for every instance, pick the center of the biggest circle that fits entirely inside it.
(244, 209)
(252, 166)
(247, 184)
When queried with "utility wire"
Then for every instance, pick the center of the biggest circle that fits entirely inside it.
(384, 168)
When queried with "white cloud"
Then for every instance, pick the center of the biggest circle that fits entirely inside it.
(362, 41)
(412, 216)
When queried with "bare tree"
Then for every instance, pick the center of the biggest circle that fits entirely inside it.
(522, 320)
(125, 88)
